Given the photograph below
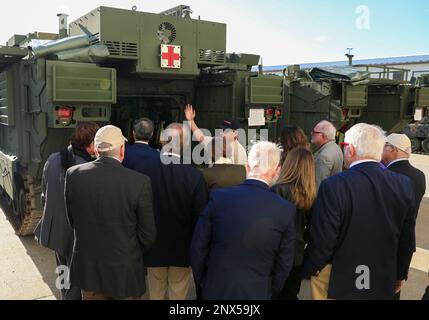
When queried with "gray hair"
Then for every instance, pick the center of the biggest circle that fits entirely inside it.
(143, 129)
(367, 139)
(328, 129)
(114, 153)
(263, 157)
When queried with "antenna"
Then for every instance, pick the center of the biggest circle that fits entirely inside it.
(350, 56)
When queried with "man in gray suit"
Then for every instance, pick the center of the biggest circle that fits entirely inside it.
(53, 231)
(329, 157)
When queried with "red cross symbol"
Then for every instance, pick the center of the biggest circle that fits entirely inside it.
(170, 56)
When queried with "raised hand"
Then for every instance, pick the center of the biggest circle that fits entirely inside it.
(189, 112)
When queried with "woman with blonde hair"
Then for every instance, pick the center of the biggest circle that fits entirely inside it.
(297, 184)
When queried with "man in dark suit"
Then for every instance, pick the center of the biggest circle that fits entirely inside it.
(244, 243)
(362, 225)
(110, 209)
(54, 231)
(396, 154)
(180, 195)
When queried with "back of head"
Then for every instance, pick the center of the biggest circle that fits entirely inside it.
(368, 141)
(143, 129)
(292, 137)
(263, 158)
(173, 137)
(219, 148)
(109, 141)
(84, 135)
(298, 170)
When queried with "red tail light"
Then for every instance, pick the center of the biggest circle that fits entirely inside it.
(278, 113)
(269, 112)
(64, 115)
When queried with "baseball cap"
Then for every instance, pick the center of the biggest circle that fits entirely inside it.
(111, 135)
(400, 141)
(230, 124)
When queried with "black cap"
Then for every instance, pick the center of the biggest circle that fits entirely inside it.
(230, 124)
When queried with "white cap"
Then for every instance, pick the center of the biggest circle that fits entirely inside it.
(109, 135)
(400, 141)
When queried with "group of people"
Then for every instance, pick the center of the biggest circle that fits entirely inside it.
(248, 226)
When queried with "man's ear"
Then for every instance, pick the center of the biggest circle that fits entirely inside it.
(122, 151)
(247, 168)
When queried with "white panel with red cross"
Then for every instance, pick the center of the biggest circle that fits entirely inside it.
(170, 56)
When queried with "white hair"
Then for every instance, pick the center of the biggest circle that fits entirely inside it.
(367, 139)
(328, 129)
(114, 153)
(263, 157)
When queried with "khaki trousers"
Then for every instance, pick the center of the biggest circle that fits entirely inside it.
(320, 284)
(172, 280)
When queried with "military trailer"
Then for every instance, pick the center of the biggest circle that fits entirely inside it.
(418, 132)
(346, 96)
(115, 66)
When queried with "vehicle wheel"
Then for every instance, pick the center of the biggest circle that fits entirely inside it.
(416, 144)
(425, 145)
(22, 205)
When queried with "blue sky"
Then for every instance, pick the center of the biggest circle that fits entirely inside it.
(282, 32)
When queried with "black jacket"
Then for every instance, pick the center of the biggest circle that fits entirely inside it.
(301, 219)
(180, 195)
(363, 218)
(417, 178)
(110, 209)
(53, 230)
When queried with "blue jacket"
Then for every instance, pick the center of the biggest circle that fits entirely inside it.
(179, 196)
(363, 219)
(244, 243)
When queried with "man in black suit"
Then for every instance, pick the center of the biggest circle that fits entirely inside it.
(180, 195)
(54, 231)
(396, 154)
(362, 226)
(110, 209)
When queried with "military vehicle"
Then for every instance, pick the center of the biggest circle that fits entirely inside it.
(346, 96)
(418, 132)
(115, 66)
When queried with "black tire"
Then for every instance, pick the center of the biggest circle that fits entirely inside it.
(22, 205)
(425, 145)
(416, 144)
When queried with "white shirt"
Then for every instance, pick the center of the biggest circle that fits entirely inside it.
(240, 154)
(397, 160)
(171, 154)
(141, 142)
(361, 161)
